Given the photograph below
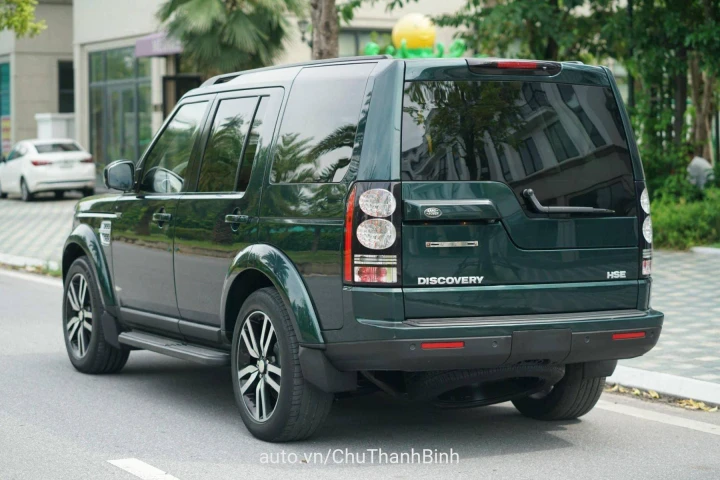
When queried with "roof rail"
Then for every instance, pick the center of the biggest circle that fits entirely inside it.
(577, 62)
(218, 79)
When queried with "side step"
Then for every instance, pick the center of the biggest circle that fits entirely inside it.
(175, 348)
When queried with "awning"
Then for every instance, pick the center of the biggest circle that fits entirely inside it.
(157, 45)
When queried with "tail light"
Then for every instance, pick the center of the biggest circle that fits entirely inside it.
(490, 66)
(87, 160)
(645, 227)
(40, 163)
(372, 247)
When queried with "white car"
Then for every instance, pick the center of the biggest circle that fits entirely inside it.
(54, 165)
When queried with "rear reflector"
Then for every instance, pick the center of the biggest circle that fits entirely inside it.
(347, 252)
(40, 163)
(439, 345)
(628, 335)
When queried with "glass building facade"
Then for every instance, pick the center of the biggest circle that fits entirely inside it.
(120, 105)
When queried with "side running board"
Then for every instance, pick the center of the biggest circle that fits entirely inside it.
(175, 348)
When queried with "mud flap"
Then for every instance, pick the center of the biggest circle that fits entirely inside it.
(318, 370)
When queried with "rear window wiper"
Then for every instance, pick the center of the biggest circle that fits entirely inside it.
(540, 208)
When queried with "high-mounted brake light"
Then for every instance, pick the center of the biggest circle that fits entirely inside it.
(40, 163)
(518, 64)
(494, 66)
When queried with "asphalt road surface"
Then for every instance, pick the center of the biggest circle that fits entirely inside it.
(165, 415)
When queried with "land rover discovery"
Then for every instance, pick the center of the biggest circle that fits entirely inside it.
(456, 231)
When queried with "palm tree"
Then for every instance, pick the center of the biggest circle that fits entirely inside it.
(221, 36)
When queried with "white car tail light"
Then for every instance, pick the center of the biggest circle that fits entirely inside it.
(376, 234)
(372, 228)
(647, 229)
(377, 202)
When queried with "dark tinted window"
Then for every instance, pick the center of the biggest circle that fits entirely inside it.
(227, 139)
(66, 87)
(251, 146)
(318, 127)
(165, 165)
(564, 141)
(56, 147)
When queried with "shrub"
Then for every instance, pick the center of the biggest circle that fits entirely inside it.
(679, 224)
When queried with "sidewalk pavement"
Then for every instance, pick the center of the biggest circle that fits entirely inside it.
(684, 287)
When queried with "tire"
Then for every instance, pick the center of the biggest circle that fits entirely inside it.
(25, 193)
(2, 194)
(571, 398)
(296, 408)
(88, 192)
(59, 194)
(480, 387)
(86, 346)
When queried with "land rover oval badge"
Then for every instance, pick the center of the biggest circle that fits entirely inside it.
(432, 212)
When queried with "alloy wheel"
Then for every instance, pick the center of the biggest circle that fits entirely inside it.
(78, 312)
(258, 364)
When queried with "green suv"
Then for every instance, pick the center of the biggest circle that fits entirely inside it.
(456, 231)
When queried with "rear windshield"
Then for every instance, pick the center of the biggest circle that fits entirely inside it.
(566, 142)
(56, 147)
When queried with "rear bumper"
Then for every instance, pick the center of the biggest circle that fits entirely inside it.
(62, 185)
(564, 340)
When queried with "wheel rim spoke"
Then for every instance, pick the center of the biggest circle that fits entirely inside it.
(87, 325)
(271, 333)
(249, 383)
(75, 328)
(72, 296)
(247, 371)
(81, 342)
(71, 323)
(82, 292)
(273, 369)
(260, 404)
(272, 383)
(249, 347)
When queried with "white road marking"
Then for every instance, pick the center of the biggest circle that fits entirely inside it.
(659, 417)
(30, 277)
(141, 469)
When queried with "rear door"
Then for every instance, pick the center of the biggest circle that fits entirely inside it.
(481, 160)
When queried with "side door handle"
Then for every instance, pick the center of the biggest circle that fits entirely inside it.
(236, 219)
(161, 217)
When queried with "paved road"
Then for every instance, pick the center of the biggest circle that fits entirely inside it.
(180, 417)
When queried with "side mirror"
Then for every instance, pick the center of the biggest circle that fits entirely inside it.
(119, 175)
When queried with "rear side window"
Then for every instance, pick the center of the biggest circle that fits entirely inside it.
(225, 146)
(56, 147)
(319, 125)
(566, 142)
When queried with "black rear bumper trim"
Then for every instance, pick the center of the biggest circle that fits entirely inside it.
(487, 352)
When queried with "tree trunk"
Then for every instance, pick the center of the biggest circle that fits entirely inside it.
(325, 26)
(681, 87)
(703, 86)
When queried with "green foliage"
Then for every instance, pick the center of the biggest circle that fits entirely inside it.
(221, 36)
(679, 224)
(19, 16)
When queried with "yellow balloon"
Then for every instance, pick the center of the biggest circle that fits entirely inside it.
(416, 29)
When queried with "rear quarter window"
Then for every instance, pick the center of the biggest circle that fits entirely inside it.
(319, 124)
(566, 142)
(56, 147)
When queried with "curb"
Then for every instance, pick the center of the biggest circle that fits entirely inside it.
(17, 261)
(673, 385)
(706, 250)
